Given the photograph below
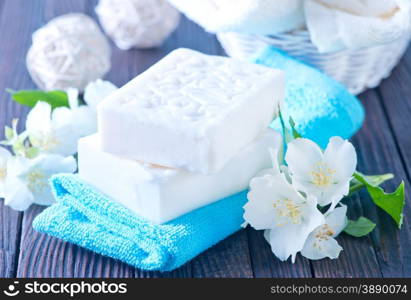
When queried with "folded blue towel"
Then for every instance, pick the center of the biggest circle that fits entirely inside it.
(320, 106)
(85, 217)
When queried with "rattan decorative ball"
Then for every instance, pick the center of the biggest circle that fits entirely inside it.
(137, 23)
(69, 51)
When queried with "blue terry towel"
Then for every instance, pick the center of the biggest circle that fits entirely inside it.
(320, 106)
(85, 217)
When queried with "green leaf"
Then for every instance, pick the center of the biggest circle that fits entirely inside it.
(360, 227)
(31, 97)
(294, 131)
(374, 180)
(391, 203)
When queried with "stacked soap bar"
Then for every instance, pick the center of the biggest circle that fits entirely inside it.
(189, 131)
(159, 193)
(190, 111)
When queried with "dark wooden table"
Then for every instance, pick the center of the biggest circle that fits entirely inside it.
(383, 145)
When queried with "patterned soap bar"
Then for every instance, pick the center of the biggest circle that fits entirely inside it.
(320, 106)
(190, 111)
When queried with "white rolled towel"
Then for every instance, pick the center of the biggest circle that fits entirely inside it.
(336, 25)
(247, 16)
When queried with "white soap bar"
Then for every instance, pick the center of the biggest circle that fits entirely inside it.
(190, 111)
(160, 194)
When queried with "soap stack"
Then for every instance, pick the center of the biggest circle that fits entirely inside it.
(189, 131)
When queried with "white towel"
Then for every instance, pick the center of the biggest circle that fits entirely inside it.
(336, 25)
(247, 16)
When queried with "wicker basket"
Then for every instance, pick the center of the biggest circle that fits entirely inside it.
(357, 70)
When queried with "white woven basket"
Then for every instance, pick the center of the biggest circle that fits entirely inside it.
(357, 70)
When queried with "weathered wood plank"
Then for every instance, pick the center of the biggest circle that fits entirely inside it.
(13, 75)
(53, 8)
(1, 6)
(10, 224)
(383, 155)
(229, 258)
(266, 265)
(396, 102)
(395, 99)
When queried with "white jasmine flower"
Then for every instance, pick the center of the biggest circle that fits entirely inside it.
(52, 132)
(325, 175)
(82, 117)
(57, 131)
(321, 243)
(4, 157)
(96, 91)
(276, 205)
(27, 179)
(277, 168)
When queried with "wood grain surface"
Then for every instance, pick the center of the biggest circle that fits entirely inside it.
(383, 145)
